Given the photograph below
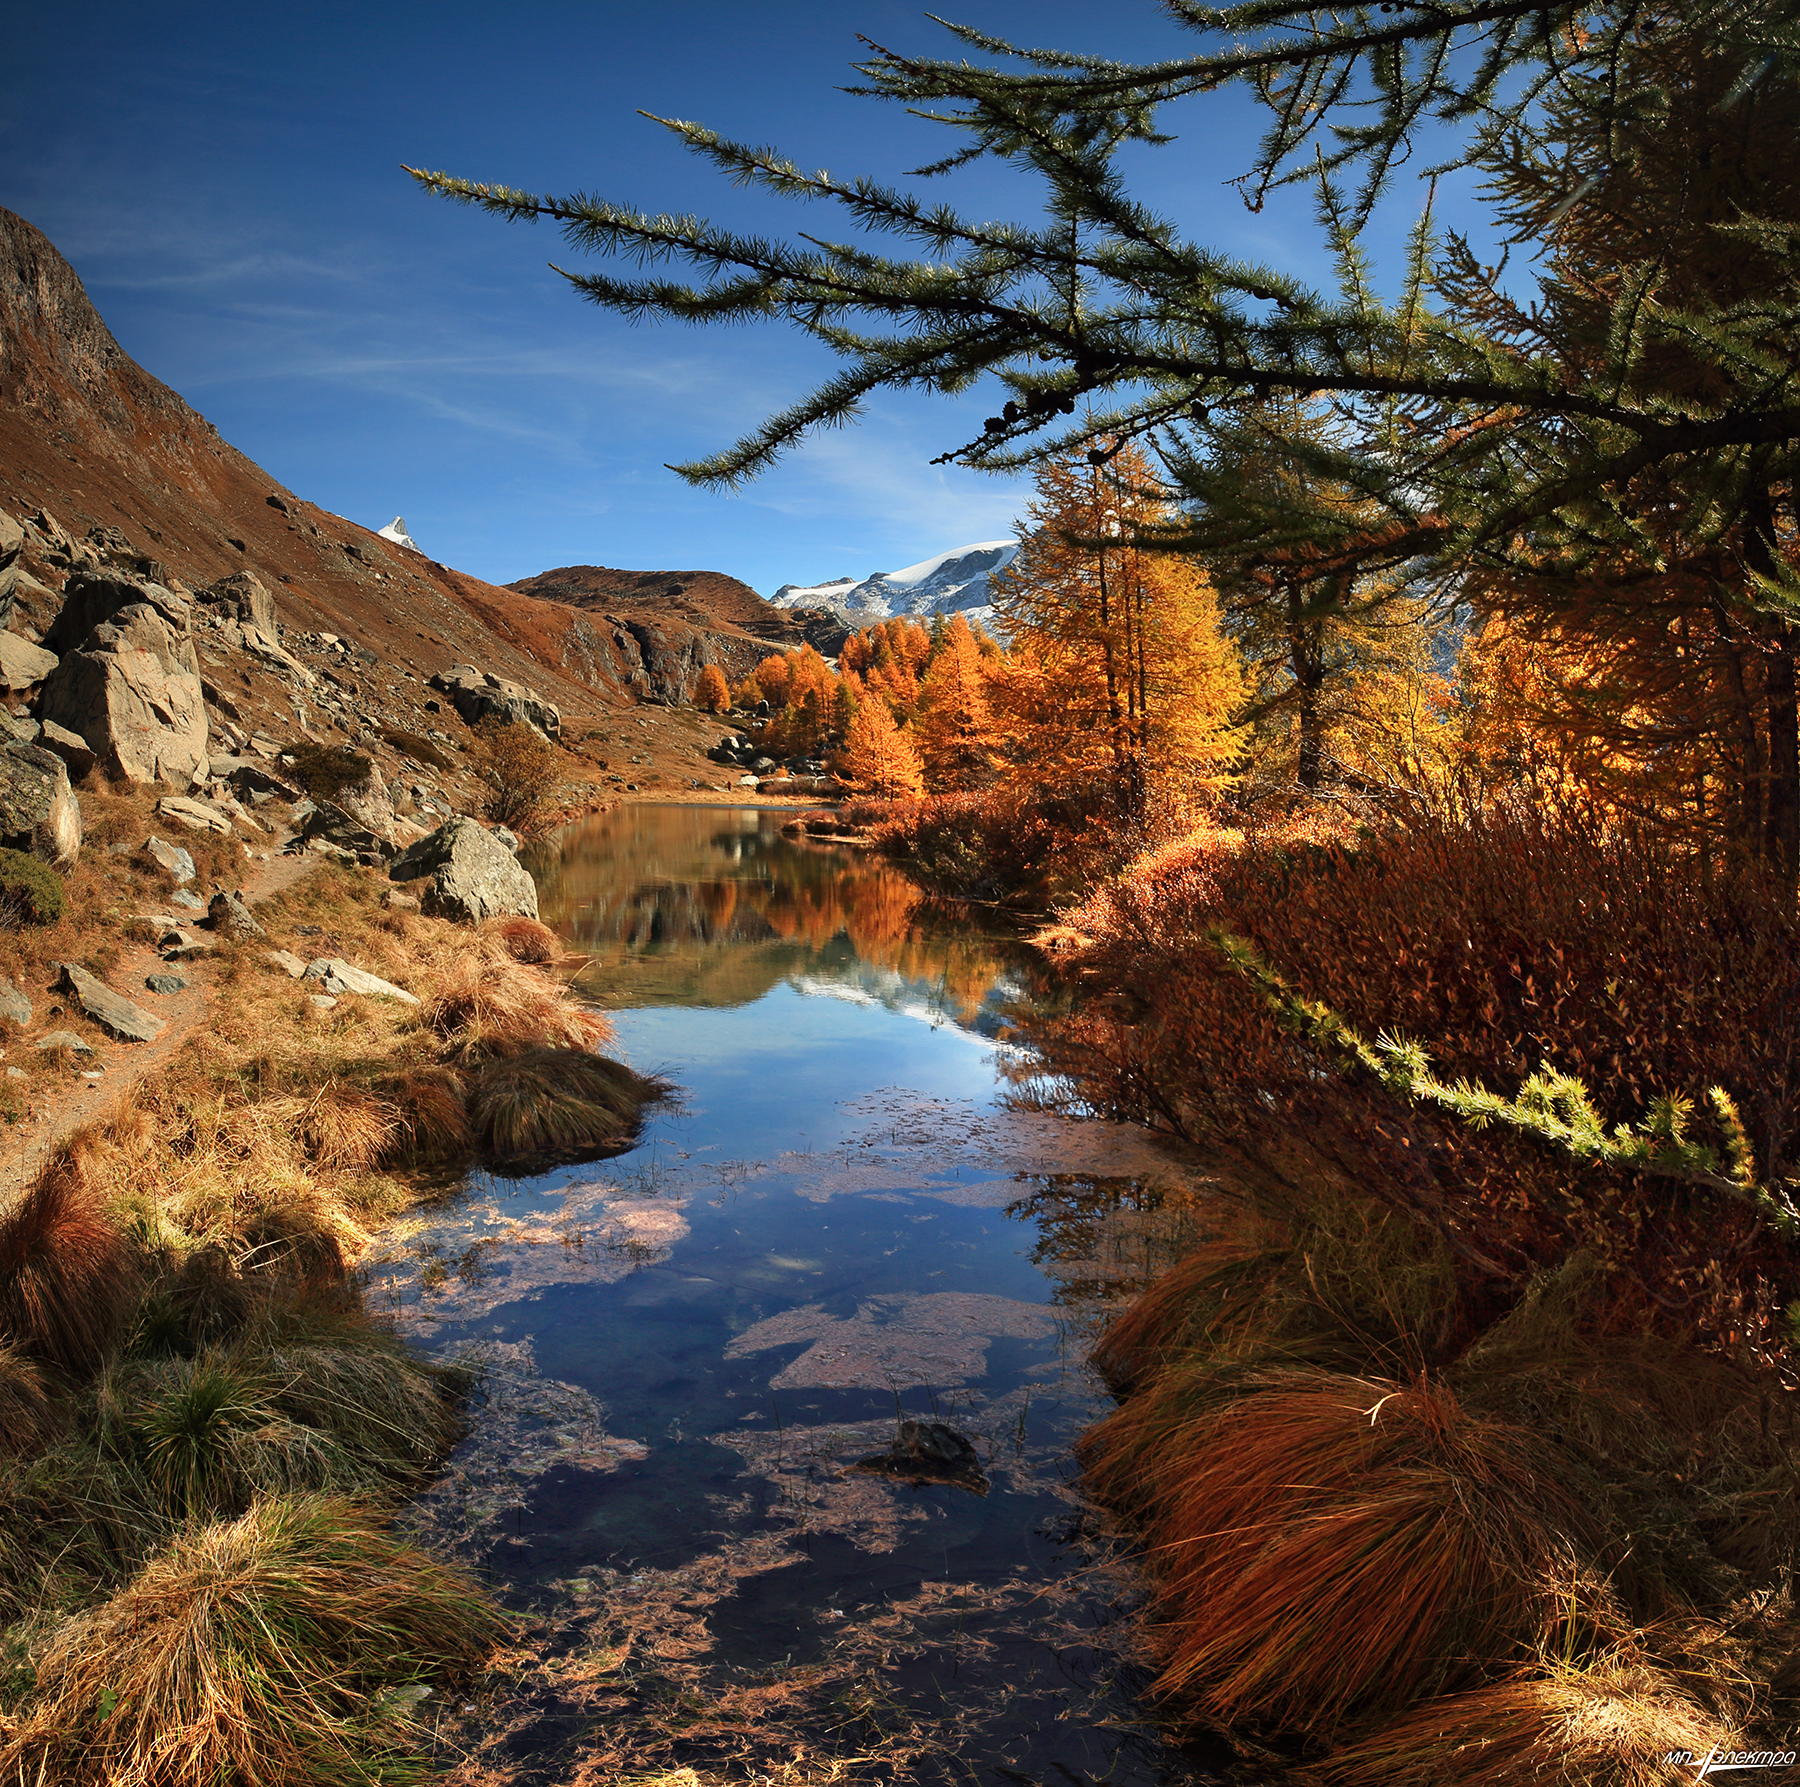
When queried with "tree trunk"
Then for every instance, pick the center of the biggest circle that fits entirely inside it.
(1306, 665)
(1781, 806)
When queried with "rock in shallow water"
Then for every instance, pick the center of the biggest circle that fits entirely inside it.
(928, 1452)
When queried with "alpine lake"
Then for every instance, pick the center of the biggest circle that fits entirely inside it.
(771, 1441)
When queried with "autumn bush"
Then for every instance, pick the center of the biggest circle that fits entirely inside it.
(521, 771)
(1500, 947)
(1461, 1448)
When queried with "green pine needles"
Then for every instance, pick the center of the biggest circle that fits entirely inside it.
(1554, 1107)
(1102, 321)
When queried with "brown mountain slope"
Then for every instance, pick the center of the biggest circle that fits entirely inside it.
(87, 435)
(709, 600)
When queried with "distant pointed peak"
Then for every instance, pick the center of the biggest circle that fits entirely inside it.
(396, 531)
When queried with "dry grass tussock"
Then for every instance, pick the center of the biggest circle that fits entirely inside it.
(1445, 1538)
(67, 1275)
(548, 1104)
(275, 1650)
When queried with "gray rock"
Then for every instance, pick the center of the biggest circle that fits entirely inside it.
(12, 538)
(172, 857)
(132, 692)
(470, 875)
(367, 803)
(14, 1006)
(94, 598)
(230, 917)
(325, 826)
(195, 814)
(289, 963)
(335, 975)
(38, 808)
(321, 1002)
(66, 1039)
(928, 1452)
(113, 1012)
(509, 838)
(72, 749)
(166, 983)
(22, 664)
(178, 946)
(480, 695)
(250, 777)
(187, 900)
(244, 597)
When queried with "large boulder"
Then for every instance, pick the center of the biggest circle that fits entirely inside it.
(471, 875)
(368, 803)
(38, 808)
(243, 597)
(93, 597)
(133, 692)
(22, 663)
(480, 695)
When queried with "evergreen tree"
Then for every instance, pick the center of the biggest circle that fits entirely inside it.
(712, 693)
(956, 736)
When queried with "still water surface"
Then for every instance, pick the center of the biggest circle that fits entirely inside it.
(835, 1226)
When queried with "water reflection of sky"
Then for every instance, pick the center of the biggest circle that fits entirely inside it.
(689, 1347)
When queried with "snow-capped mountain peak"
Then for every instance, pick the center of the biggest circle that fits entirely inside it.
(396, 531)
(946, 583)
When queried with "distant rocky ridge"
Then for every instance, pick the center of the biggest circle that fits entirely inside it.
(953, 582)
(674, 623)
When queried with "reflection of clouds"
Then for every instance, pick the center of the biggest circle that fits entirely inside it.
(894, 1341)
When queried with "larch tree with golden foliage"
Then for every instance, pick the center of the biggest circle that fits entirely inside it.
(958, 741)
(712, 693)
(879, 758)
(1119, 670)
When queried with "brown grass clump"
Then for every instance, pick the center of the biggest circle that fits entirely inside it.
(25, 1413)
(549, 1104)
(525, 940)
(67, 1276)
(488, 1004)
(1331, 1547)
(431, 1105)
(275, 1650)
(1611, 1723)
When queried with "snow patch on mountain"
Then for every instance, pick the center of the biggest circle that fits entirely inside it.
(953, 582)
(396, 531)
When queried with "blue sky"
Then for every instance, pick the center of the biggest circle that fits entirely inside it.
(226, 180)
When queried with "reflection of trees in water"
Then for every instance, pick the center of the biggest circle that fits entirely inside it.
(680, 905)
(1101, 1238)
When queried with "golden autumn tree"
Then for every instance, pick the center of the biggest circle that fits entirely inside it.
(878, 757)
(712, 693)
(958, 742)
(1120, 671)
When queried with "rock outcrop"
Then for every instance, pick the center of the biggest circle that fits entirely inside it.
(242, 597)
(132, 691)
(470, 875)
(38, 808)
(113, 1012)
(480, 695)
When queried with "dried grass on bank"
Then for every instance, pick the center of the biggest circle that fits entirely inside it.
(276, 1650)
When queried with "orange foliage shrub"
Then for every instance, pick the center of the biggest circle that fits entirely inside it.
(1501, 947)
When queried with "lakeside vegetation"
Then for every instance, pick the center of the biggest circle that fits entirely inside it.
(207, 1432)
